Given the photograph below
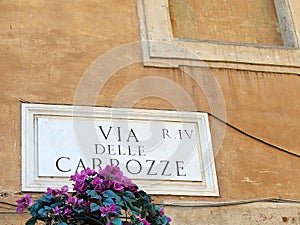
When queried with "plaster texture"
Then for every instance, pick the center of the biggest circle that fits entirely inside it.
(45, 49)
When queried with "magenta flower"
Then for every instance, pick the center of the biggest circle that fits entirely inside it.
(75, 176)
(133, 188)
(52, 192)
(73, 201)
(56, 192)
(111, 173)
(144, 221)
(80, 185)
(79, 177)
(126, 181)
(95, 199)
(98, 183)
(67, 212)
(80, 188)
(118, 186)
(108, 209)
(90, 172)
(64, 190)
(23, 203)
(129, 184)
(56, 210)
(107, 183)
(161, 211)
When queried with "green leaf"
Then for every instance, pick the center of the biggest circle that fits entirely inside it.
(111, 194)
(93, 194)
(48, 208)
(117, 221)
(94, 207)
(108, 202)
(166, 220)
(46, 198)
(34, 210)
(79, 210)
(135, 210)
(31, 221)
(128, 196)
(147, 198)
(120, 203)
(43, 212)
(62, 223)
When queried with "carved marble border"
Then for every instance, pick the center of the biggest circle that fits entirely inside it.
(31, 181)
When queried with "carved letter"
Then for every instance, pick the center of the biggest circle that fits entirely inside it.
(179, 167)
(141, 150)
(139, 164)
(111, 150)
(115, 164)
(58, 167)
(132, 134)
(105, 136)
(98, 148)
(80, 164)
(165, 168)
(190, 136)
(149, 171)
(98, 165)
(165, 133)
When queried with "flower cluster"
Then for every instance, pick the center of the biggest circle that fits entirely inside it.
(106, 197)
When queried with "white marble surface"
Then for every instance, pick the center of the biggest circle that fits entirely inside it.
(164, 152)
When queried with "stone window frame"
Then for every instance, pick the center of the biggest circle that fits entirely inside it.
(161, 49)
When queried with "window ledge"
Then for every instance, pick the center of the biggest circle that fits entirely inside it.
(161, 49)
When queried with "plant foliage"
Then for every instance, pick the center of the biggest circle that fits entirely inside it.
(106, 197)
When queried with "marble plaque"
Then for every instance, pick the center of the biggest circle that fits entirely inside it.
(164, 152)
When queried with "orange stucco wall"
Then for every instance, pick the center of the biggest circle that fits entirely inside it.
(45, 48)
(253, 22)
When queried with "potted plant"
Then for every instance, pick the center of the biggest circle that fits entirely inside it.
(106, 197)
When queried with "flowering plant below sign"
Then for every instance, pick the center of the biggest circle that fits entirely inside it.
(106, 197)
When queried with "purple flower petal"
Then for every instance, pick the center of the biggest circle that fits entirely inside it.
(23, 203)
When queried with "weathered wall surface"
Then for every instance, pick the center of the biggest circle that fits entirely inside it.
(250, 214)
(251, 22)
(45, 48)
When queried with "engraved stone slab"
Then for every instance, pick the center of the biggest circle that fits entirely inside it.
(164, 152)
